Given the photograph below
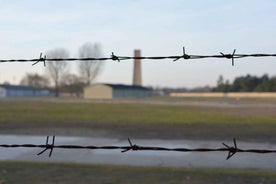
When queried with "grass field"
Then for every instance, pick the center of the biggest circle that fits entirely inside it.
(20, 172)
(138, 120)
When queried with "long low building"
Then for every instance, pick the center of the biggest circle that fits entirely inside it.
(7, 90)
(228, 95)
(110, 91)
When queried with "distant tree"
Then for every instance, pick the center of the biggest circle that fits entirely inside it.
(73, 84)
(264, 84)
(221, 86)
(220, 83)
(227, 86)
(35, 80)
(57, 69)
(247, 83)
(90, 69)
(236, 86)
(273, 83)
(242, 84)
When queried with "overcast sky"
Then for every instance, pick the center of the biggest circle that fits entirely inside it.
(157, 27)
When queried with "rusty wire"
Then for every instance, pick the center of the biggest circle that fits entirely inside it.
(231, 150)
(114, 57)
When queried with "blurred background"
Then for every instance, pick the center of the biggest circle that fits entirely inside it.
(186, 103)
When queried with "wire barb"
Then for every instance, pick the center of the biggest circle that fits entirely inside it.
(48, 146)
(114, 58)
(41, 59)
(232, 150)
(184, 56)
(132, 147)
(230, 56)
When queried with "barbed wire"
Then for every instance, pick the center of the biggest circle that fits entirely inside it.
(114, 57)
(231, 150)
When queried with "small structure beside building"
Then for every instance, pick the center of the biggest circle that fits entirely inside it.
(110, 91)
(7, 90)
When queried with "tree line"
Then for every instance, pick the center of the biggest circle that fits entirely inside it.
(58, 72)
(247, 83)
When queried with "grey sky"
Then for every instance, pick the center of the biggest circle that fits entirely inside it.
(161, 27)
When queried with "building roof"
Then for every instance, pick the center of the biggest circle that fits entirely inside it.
(18, 87)
(122, 86)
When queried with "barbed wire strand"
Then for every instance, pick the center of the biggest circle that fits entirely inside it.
(114, 57)
(231, 150)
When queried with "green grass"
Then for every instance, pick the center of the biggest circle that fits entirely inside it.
(138, 120)
(47, 112)
(21, 172)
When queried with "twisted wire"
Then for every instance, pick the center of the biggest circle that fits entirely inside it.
(231, 150)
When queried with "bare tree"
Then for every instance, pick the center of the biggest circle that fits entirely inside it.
(72, 84)
(89, 70)
(35, 80)
(57, 69)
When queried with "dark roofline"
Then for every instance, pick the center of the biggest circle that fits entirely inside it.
(123, 86)
(19, 87)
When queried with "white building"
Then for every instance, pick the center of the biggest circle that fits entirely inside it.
(110, 91)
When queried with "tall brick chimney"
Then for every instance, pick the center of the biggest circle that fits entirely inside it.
(137, 73)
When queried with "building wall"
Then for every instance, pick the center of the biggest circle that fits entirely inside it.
(252, 95)
(207, 95)
(27, 93)
(98, 91)
(22, 91)
(229, 95)
(131, 93)
(2, 93)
